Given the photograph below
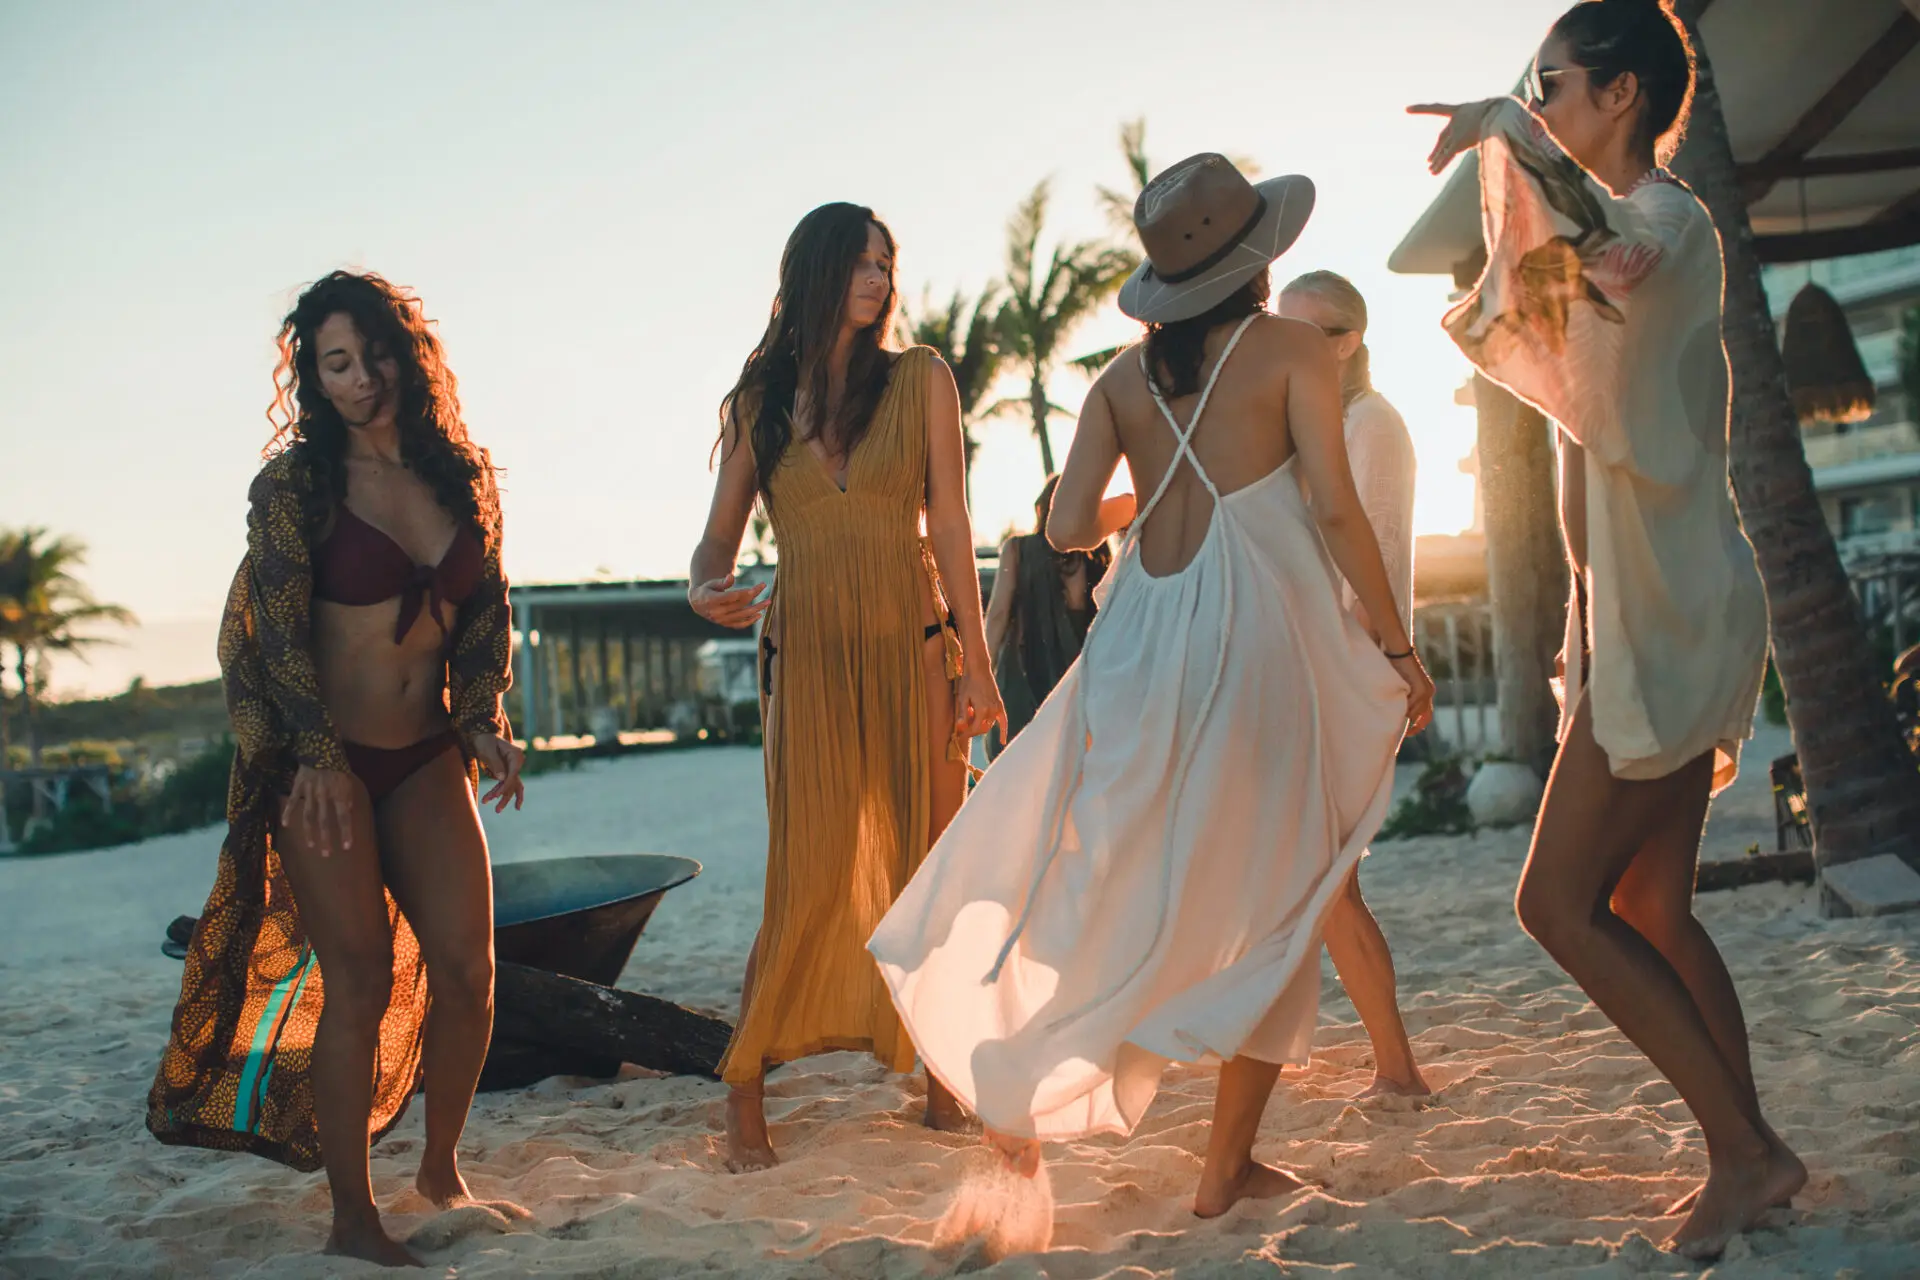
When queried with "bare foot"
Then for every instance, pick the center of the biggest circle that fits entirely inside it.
(1022, 1155)
(946, 1113)
(1736, 1195)
(1789, 1187)
(368, 1241)
(1386, 1086)
(444, 1187)
(749, 1147)
(1254, 1181)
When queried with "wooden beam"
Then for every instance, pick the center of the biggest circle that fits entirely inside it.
(1840, 242)
(1905, 209)
(1826, 115)
(1831, 166)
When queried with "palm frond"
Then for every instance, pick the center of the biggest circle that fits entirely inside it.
(1094, 363)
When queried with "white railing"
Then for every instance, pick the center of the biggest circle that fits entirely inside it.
(1455, 638)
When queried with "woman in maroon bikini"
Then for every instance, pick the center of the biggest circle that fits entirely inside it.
(365, 648)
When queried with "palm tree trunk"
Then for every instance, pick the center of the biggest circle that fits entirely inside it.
(1037, 399)
(1862, 793)
(1526, 572)
(22, 657)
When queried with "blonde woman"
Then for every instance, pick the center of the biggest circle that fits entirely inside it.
(1380, 454)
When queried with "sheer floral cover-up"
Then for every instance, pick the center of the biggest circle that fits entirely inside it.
(1604, 313)
(1142, 875)
(235, 1075)
(847, 756)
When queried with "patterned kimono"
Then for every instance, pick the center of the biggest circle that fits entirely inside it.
(1604, 313)
(235, 1074)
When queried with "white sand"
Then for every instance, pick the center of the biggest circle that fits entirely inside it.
(1550, 1149)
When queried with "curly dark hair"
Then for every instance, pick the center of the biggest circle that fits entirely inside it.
(433, 439)
(815, 270)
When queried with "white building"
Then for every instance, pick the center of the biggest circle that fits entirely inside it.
(1868, 473)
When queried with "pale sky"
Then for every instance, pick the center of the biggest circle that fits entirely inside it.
(591, 199)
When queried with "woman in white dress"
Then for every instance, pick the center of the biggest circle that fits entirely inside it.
(1600, 305)
(1142, 876)
(1380, 454)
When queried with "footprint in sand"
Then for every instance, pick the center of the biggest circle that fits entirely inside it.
(477, 1218)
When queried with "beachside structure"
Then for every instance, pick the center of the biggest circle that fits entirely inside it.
(629, 661)
(607, 660)
(1867, 473)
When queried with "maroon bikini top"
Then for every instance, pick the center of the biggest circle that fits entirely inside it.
(359, 564)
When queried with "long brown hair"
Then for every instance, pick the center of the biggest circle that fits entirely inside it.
(816, 269)
(1176, 350)
(433, 438)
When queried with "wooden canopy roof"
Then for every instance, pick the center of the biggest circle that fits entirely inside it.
(1822, 99)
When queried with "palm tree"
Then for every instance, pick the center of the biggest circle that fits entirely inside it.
(45, 609)
(1119, 203)
(1861, 790)
(1046, 304)
(965, 334)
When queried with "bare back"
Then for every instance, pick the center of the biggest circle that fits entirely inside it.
(1244, 435)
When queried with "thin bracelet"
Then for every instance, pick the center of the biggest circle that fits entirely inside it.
(1395, 657)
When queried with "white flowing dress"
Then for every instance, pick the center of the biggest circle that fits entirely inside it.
(1142, 876)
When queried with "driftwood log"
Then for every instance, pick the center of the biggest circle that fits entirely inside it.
(1758, 868)
(547, 1023)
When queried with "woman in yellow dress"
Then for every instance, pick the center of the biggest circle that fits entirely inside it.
(874, 667)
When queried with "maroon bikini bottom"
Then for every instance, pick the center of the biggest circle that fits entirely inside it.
(384, 768)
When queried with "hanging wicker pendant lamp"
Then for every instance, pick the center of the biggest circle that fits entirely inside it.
(1825, 375)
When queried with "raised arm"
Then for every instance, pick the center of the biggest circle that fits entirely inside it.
(1081, 519)
(977, 704)
(710, 587)
(1565, 261)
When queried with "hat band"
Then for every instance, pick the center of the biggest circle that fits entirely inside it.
(1219, 255)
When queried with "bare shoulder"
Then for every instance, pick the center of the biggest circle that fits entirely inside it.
(1123, 373)
(1287, 339)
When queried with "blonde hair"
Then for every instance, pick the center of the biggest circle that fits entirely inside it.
(1338, 293)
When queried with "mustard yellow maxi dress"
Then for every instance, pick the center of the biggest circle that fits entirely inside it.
(847, 752)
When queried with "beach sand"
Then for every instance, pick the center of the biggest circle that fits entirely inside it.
(1551, 1146)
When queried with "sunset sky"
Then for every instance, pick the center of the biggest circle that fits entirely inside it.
(591, 199)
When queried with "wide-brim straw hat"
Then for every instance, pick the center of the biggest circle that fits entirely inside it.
(1207, 231)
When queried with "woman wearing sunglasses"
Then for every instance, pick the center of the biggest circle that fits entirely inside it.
(1380, 452)
(1600, 305)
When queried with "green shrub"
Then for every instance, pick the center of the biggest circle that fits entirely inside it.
(1438, 805)
(193, 795)
(1773, 698)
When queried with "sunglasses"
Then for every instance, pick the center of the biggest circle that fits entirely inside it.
(1541, 82)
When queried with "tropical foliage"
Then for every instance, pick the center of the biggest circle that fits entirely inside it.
(45, 609)
(965, 333)
(1048, 299)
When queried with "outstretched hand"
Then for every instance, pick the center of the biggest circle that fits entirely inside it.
(502, 761)
(1462, 131)
(718, 600)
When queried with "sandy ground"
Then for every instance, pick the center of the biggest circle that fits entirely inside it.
(1550, 1148)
